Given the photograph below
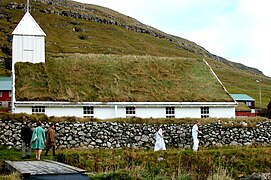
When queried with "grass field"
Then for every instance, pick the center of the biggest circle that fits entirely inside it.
(208, 163)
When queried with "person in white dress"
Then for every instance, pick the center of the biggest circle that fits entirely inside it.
(195, 132)
(159, 140)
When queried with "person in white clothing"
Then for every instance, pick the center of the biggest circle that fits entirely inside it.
(159, 140)
(195, 132)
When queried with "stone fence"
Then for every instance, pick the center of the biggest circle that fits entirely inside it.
(118, 135)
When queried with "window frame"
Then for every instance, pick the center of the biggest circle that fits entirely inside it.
(88, 111)
(205, 112)
(170, 112)
(38, 109)
(130, 111)
(248, 103)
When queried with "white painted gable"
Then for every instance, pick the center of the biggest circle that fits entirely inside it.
(28, 26)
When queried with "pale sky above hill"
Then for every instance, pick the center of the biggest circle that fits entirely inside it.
(238, 30)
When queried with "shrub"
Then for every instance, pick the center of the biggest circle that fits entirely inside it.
(13, 176)
(4, 109)
(82, 37)
(123, 174)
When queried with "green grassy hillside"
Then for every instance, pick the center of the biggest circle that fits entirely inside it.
(114, 78)
(242, 82)
(76, 28)
(66, 34)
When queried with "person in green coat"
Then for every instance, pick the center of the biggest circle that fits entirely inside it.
(38, 140)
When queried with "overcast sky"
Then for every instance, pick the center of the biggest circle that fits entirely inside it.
(238, 30)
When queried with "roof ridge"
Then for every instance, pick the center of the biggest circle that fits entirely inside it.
(28, 26)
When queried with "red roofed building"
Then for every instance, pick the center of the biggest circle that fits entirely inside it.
(246, 105)
(5, 91)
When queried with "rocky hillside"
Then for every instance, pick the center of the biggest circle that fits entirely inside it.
(68, 8)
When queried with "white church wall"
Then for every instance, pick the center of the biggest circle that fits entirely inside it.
(102, 112)
(191, 112)
(27, 110)
(148, 112)
(64, 111)
(222, 112)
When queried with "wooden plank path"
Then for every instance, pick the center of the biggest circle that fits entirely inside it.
(46, 169)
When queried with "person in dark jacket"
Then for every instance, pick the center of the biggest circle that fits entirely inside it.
(50, 140)
(26, 135)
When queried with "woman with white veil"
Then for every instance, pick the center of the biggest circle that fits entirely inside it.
(159, 140)
(195, 132)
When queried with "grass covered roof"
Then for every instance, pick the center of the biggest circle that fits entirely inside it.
(113, 78)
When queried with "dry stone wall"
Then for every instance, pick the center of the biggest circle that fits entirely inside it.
(119, 135)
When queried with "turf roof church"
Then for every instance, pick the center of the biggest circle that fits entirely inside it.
(29, 46)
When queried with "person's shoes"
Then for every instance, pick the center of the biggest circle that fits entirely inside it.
(28, 157)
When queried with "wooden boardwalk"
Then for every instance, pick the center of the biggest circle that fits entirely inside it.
(46, 169)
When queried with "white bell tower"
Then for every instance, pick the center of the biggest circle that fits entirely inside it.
(28, 45)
